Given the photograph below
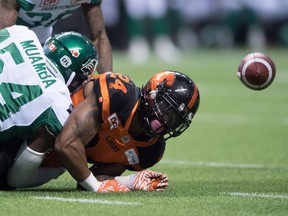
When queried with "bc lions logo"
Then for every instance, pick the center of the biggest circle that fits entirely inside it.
(113, 121)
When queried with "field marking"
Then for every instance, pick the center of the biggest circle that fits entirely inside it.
(273, 196)
(218, 164)
(98, 201)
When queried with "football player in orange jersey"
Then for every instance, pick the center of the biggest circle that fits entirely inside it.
(118, 126)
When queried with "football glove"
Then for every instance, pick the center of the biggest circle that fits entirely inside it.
(108, 186)
(148, 180)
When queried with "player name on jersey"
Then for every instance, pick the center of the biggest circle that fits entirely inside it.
(38, 62)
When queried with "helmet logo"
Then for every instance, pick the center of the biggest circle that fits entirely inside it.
(52, 47)
(190, 116)
(48, 3)
(113, 121)
(65, 61)
(181, 107)
(75, 52)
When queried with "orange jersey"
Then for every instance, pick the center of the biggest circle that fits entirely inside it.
(118, 98)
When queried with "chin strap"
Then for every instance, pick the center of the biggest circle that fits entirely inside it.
(70, 78)
(53, 70)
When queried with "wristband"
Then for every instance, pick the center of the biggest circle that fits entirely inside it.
(90, 183)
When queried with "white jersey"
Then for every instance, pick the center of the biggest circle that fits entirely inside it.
(29, 95)
(41, 15)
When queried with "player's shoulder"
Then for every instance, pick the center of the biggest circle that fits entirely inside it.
(120, 85)
(113, 76)
(118, 93)
(17, 34)
(16, 30)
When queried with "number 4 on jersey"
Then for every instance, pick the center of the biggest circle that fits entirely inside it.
(14, 96)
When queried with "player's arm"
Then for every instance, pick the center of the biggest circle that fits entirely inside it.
(8, 13)
(145, 180)
(78, 130)
(80, 127)
(94, 18)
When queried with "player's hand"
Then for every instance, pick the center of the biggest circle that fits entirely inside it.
(149, 180)
(108, 186)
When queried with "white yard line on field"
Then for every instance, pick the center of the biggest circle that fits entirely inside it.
(217, 164)
(273, 196)
(98, 201)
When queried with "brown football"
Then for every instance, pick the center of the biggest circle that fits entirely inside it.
(256, 71)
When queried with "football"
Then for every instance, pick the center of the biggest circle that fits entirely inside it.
(256, 71)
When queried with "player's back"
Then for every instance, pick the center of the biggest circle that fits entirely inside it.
(29, 95)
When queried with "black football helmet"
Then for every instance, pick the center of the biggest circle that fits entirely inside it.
(168, 103)
(71, 57)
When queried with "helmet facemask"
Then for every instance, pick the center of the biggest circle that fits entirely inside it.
(88, 69)
(165, 116)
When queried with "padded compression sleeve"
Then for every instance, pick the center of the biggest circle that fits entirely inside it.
(26, 164)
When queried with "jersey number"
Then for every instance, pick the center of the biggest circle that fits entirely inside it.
(118, 84)
(43, 19)
(13, 96)
(15, 54)
(16, 96)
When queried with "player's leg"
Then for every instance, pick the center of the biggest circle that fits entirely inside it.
(8, 151)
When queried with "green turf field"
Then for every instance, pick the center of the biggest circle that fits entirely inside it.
(233, 160)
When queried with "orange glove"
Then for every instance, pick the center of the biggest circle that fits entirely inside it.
(149, 180)
(108, 186)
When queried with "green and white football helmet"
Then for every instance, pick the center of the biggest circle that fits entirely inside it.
(71, 57)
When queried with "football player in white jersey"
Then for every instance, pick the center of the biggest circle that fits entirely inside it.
(41, 15)
(29, 93)
(34, 100)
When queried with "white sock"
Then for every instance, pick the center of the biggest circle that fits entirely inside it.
(27, 162)
(91, 183)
